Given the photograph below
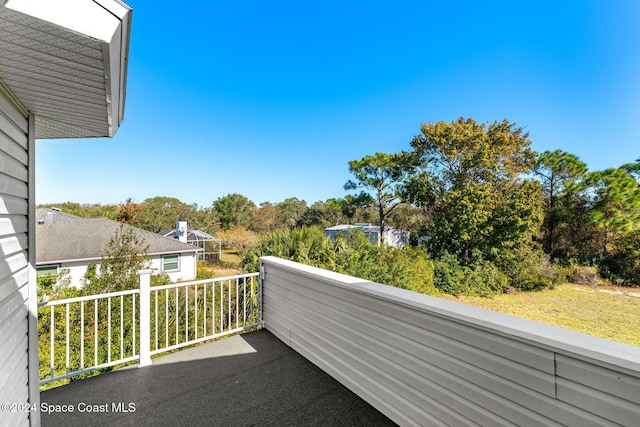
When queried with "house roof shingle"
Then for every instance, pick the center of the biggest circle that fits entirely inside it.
(64, 237)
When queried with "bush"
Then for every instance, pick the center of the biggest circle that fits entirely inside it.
(481, 277)
(305, 245)
(530, 269)
(583, 275)
(353, 255)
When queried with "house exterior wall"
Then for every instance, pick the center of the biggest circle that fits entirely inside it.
(396, 237)
(186, 271)
(393, 236)
(17, 351)
(426, 361)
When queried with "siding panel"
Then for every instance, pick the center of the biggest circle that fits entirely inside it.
(600, 378)
(14, 259)
(11, 347)
(424, 362)
(10, 147)
(7, 283)
(420, 340)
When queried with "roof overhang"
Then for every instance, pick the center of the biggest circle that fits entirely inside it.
(65, 61)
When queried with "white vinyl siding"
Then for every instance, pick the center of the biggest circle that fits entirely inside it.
(14, 258)
(171, 262)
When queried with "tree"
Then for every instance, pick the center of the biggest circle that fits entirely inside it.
(127, 212)
(615, 211)
(383, 175)
(234, 209)
(161, 213)
(264, 219)
(123, 257)
(615, 204)
(322, 214)
(290, 212)
(468, 173)
(559, 173)
(238, 238)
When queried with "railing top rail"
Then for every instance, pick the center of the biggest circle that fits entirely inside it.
(200, 282)
(87, 298)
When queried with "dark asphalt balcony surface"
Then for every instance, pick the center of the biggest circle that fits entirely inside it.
(245, 380)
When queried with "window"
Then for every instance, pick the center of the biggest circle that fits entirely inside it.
(170, 262)
(47, 270)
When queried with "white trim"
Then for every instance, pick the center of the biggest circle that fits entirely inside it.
(34, 362)
(4, 90)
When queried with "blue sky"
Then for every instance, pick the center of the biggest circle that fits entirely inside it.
(272, 99)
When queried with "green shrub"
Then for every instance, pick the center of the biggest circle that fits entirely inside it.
(530, 269)
(353, 255)
(583, 275)
(480, 277)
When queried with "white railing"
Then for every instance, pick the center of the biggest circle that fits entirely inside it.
(183, 314)
(88, 333)
(76, 331)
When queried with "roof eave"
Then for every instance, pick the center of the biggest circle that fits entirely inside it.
(108, 29)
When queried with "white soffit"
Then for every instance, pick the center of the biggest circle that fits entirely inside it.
(66, 62)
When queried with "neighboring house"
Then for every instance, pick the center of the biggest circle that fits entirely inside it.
(63, 73)
(211, 247)
(69, 242)
(392, 236)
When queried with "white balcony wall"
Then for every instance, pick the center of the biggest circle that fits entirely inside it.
(426, 361)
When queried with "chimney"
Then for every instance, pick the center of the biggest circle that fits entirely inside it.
(181, 231)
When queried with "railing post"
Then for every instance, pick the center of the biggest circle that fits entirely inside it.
(261, 278)
(145, 318)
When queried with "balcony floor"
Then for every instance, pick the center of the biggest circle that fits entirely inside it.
(245, 380)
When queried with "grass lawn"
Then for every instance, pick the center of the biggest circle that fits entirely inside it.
(230, 257)
(228, 265)
(604, 311)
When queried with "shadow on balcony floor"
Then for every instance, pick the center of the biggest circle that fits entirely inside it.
(248, 380)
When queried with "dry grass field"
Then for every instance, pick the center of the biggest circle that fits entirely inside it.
(605, 311)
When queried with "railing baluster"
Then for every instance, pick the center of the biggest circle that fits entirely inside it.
(133, 313)
(252, 297)
(81, 334)
(221, 308)
(229, 305)
(177, 306)
(66, 338)
(186, 313)
(109, 329)
(237, 306)
(95, 332)
(166, 317)
(244, 301)
(52, 332)
(155, 295)
(204, 304)
(121, 326)
(196, 304)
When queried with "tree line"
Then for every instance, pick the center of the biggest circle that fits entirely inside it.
(485, 198)
(485, 207)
